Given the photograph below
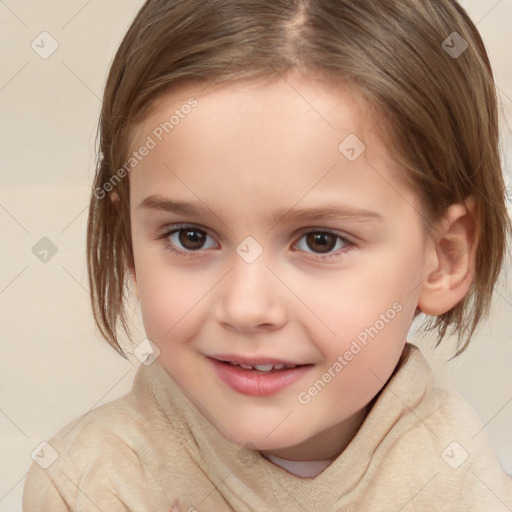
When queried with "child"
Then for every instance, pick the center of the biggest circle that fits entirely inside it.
(287, 185)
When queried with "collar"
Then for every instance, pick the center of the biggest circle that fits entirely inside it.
(242, 470)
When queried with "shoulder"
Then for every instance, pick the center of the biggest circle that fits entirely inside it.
(445, 416)
(444, 442)
(119, 424)
(122, 441)
(432, 411)
(431, 447)
(427, 403)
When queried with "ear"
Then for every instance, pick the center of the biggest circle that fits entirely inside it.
(455, 248)
(114, 197)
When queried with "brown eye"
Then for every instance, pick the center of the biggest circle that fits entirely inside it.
(191, 239)
(185, 240)
(321, 242)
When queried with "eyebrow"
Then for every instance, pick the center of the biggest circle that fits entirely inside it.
(159, 203)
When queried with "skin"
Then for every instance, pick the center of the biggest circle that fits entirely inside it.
(247, 151)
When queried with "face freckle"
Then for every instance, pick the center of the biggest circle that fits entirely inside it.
(299, 244)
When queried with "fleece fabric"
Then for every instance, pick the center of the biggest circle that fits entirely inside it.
(421, 448)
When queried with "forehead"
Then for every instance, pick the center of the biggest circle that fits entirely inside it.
(335, 105)
(276, 142)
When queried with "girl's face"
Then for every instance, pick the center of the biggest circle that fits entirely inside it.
(265, 233)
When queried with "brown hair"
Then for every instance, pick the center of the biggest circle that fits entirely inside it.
(440, 110)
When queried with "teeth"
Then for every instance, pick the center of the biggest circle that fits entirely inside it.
(264, 367)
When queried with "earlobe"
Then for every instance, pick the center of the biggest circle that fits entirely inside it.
(455, 249)
(114, 197)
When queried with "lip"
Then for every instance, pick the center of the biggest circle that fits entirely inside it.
(254, 382)
(253, 360)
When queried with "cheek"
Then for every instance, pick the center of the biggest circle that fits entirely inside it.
(166, 304)
(170, 322)
(371, 306)
(355, 299)
(168, 297)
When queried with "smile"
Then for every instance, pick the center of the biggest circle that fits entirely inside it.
(263, 367)
(258, 378)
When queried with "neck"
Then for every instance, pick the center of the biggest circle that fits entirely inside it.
(306, 469)
(326, 445)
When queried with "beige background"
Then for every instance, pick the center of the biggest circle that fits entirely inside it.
(54, 366)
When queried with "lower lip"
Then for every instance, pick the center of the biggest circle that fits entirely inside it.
(256, 383)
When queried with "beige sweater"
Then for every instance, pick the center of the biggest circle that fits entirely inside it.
(421, 448)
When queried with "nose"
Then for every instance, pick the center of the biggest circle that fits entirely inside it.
(251, 298)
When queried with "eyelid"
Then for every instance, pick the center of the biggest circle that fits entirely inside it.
(170, 228)
(332, 231)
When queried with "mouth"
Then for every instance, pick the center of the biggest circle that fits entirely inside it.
(258, 376)
(264, 368)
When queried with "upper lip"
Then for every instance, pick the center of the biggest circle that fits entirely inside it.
(254, 360)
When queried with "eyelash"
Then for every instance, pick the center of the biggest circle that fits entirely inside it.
(319, 256)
